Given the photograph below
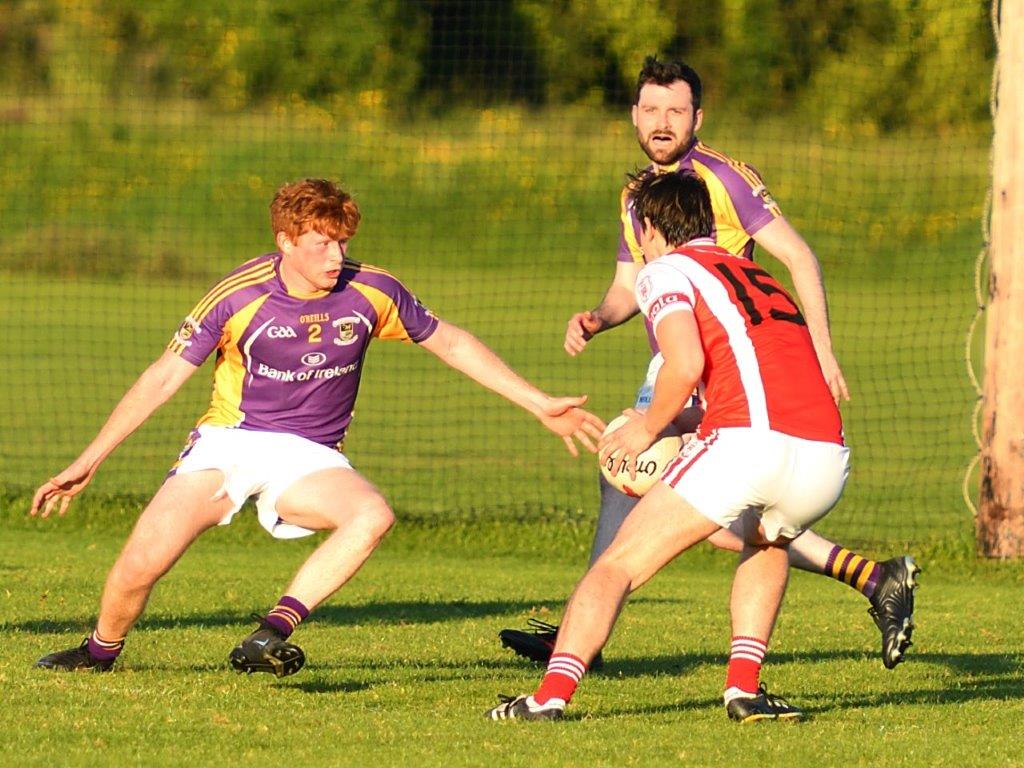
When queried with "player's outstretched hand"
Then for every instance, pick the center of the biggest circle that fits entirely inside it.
(834, 377)
(564, 417)
(580, 329)
(62, 487)
(627, 442)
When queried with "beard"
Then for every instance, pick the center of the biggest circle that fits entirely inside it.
(664, 153)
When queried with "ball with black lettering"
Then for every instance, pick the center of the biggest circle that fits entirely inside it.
(649, 466)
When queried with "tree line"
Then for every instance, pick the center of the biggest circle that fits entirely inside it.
(882, 64)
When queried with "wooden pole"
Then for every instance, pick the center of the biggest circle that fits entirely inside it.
(1000, 525)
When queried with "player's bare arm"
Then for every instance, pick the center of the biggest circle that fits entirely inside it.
(617, 306)
(684, 361)
(782, 241)
(562, 415)
(154, 387)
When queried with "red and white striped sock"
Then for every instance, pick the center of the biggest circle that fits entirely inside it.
(564, 673)
(745, 659)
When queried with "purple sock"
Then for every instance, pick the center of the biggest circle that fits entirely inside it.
(286, 615)
(104, 650)
(872, 583)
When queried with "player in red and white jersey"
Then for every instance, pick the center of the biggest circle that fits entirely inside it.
(769, 453)
(760, 367)
(667, 115)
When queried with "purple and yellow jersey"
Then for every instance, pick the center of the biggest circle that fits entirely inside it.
(739, 199)
(290, 363)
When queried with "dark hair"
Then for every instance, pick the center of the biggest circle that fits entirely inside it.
(666, 73)
(677, 204)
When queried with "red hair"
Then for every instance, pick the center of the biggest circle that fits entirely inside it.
(314, 204)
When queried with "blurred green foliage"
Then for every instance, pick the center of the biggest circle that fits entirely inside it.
(25, 50)
(901, 62)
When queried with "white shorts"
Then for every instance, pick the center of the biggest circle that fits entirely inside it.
(260, 464)
(787, 481)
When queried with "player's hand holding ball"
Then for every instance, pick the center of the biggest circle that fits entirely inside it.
(632, 459)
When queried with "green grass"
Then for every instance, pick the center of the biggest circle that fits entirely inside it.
(404, 660)
(503, 221)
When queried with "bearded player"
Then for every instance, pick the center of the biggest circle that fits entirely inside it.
(667, 114)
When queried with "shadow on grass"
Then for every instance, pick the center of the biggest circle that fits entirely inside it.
(990, 677)
(383, 612)
(994, 677)
(134, 665)
(323, 686)
(994, 689)
(972, 664)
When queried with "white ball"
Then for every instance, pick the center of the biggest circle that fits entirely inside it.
(649, 466)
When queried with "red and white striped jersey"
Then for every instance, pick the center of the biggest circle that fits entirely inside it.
(760, 367)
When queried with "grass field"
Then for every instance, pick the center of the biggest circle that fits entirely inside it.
(502, 220)
(404, 660)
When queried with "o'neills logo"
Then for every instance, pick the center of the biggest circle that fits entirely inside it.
(646, 468)
(267, 372)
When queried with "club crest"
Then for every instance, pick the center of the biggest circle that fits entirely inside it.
(346, 331)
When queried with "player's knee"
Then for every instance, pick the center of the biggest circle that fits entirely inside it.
(136, 570)
(615, 568)
(382, 520)
(372, 518)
